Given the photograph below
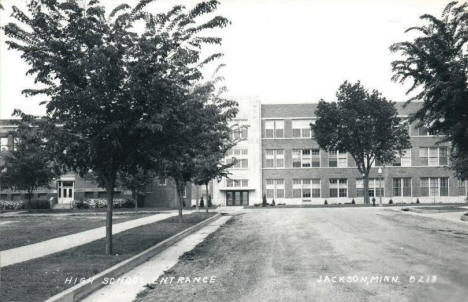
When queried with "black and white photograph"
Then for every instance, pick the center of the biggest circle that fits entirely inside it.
(233, 150)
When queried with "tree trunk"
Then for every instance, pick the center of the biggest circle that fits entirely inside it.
(179, 194)
(29, 199)
(135, 198)
(208, 197)
(365, 180)
(196, 203)
(110, 199)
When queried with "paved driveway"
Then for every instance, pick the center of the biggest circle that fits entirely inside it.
(325, 255)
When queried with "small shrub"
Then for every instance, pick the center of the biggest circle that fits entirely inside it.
(325, 202)
(273, 203)
(417, 200)
(202, 202)
(353, 202)
(264, 201)
(390, 201)
(12, 204)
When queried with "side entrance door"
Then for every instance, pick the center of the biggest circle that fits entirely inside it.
(65, 191)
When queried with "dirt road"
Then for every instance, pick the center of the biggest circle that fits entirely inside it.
(350, 254)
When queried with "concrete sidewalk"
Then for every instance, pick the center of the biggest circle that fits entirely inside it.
(55, 245)
(135, 280)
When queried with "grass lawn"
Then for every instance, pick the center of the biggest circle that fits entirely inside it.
(18, 231)
(39, 279)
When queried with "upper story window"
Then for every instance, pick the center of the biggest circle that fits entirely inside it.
(337, 159)
(403, 160)
(4, 144)
(433, 156)
(306, 158)
(274, 129)
(424, 131)
(162, 181)
(301, 128)
(240, 132)
(274, 158)
(240, 156)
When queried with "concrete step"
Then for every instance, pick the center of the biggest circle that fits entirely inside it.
(62, 206)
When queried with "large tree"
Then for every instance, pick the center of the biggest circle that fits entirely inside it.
(364, 124)
(109, 86)
(28, 165)
(436, 62)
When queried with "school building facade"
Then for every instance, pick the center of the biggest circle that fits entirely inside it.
(280, 158)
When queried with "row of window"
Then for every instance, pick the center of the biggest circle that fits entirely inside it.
(237, 183)
(302, 129)
(307, 158)
(338, 187)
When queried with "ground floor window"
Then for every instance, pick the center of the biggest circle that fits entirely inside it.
(376, 187)
(338, 187)
(275, 188)
(306, 188)
(402, 186)
(434, 186)
(461, 188)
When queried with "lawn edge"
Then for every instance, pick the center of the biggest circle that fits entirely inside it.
(82, 290)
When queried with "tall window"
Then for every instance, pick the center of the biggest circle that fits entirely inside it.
(433, 156)
(402, 186)
(274, 158)
(275, 188)
(338, 187)
(337, 159)
(239, 132)
(375, 188)
(306, 188)
(461, 187)
(306, 158)
(274, 129)
(403, 160)
(434, 186)
(301, 128)
(4, 144)
(237, 183)
(240, 155)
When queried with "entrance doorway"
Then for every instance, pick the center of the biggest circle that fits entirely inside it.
(237, 198)
(65, 191)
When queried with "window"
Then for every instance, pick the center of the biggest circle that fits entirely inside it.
(404, 159)
(433, 156)
(240, 132)
(461, 187)
(338, 187)
(274, 129)
(434, 186)
(237, 183)
(306, 158)
(376, 188)
(274, 158)
(306, 188)
(4, 144)
(402, 186)
(275, 188)
(240, 155)
(424, 131)
(162, 181)
(337, 159)
(301, 128)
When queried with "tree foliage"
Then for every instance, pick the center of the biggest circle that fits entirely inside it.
(436, 62)
(28, 165)
(111, 90)
(364, 124)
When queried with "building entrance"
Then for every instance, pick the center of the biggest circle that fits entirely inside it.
(237, 198)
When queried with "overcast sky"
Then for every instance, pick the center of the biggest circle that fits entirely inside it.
(278, 50)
